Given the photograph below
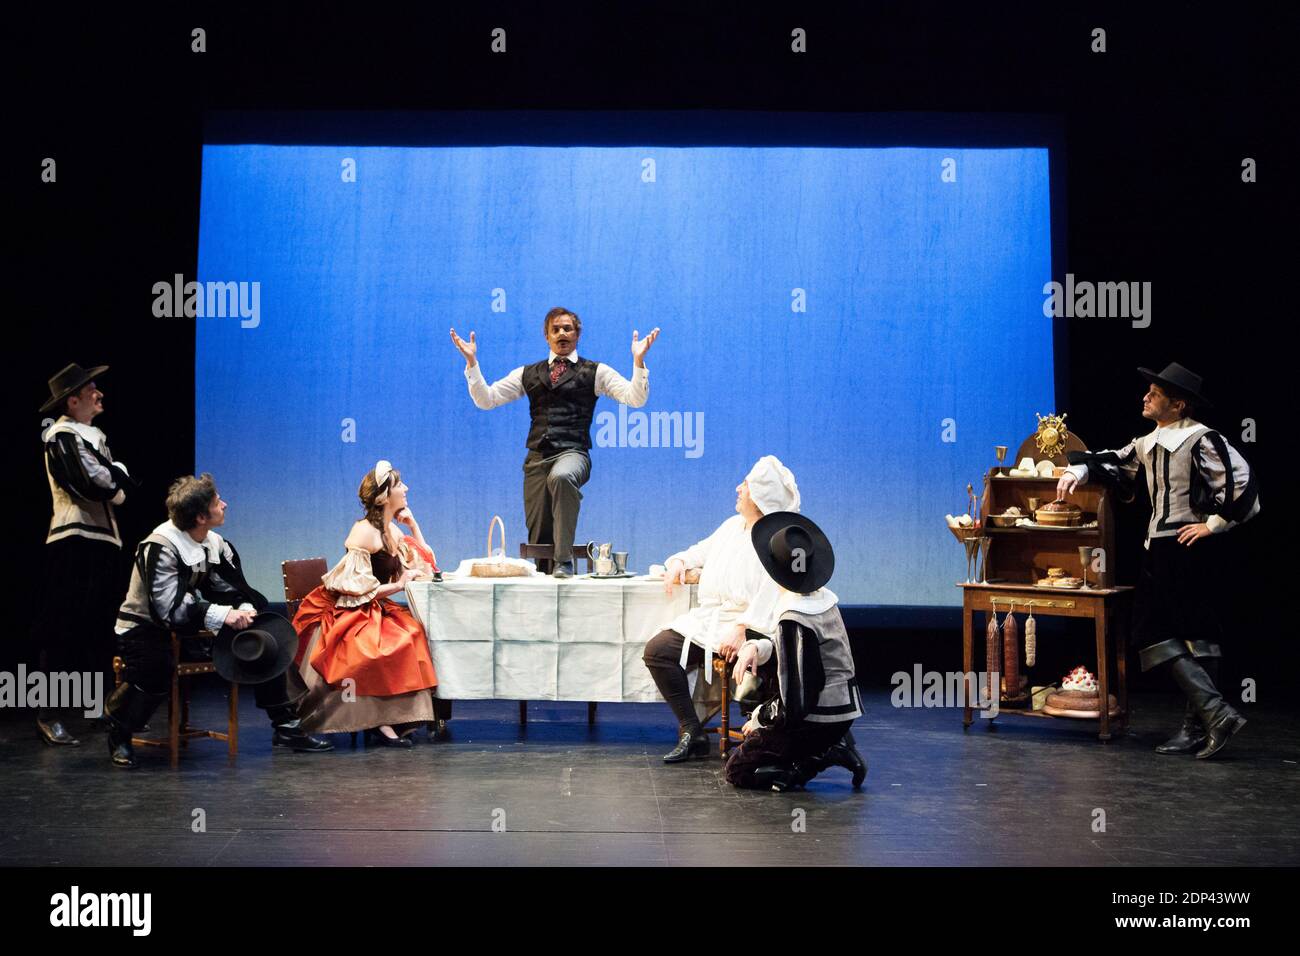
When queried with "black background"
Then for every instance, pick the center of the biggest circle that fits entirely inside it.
(1155, 130)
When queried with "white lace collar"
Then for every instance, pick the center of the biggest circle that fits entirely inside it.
(823, 599)
(192, 552)
(1172, 437)
(89, 432)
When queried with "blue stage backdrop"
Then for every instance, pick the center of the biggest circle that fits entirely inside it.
(831, 306)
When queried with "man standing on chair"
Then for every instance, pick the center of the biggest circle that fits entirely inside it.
(1200, 487)
(187, 578)
(562, 391)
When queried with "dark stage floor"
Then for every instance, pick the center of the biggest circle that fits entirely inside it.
(1027, 793)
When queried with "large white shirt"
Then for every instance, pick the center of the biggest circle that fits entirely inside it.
(510, 388)
(734, 589)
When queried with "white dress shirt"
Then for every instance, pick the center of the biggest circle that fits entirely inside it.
(608, 383)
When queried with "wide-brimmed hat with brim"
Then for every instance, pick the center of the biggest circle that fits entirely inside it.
(793, 551)
(68, 380)
(259, 652)
(1180, 380)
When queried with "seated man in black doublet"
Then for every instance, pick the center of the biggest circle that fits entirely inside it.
(187, 578)
(562, 391)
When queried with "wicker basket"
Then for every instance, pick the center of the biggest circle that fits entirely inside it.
(493, 568)
(962, 534)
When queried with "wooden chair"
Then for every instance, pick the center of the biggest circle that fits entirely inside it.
(301, 577)
(544, 556)
(726, 736)
(179, 731)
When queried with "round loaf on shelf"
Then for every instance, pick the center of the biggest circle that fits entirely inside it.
(1059, 514)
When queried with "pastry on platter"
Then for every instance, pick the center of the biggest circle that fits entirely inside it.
(1079, 696)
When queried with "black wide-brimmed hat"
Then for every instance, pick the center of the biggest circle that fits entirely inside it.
(259, 652)
(1181, 380)
(793, 551)
(68, 380)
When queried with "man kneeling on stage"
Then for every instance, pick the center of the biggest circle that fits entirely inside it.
(187, 579)
(813, 699)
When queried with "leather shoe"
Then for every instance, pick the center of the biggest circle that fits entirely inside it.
(778, 779)
(691, 744)
(120, 750)
(377, 738)
(439, 731)
(563, 569)
(292, 735)
(1190, 737)
(845, 754)
(127, 708)
(1219, 733)
(1218, 717)
(54, 733)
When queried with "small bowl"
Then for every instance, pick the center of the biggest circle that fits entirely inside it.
(1005, 521)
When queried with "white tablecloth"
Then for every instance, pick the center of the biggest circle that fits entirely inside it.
(541, 638)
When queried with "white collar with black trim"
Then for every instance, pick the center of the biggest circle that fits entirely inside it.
(192, 552)
(67, 423)
(1172, 437)
(823, 599)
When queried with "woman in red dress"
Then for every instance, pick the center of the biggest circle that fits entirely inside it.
(349, 629)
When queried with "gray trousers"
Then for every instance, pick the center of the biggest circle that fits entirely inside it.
(552, 498)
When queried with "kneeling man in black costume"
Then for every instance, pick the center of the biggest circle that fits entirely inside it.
(802, 727)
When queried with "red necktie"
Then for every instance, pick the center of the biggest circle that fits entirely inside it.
(557, 369)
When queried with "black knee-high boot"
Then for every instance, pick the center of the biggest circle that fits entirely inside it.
(127, 710)
(1216, 715)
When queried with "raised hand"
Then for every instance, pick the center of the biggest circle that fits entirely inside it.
(639, 348)
(468, 349)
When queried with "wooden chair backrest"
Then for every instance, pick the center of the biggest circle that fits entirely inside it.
(300, 579)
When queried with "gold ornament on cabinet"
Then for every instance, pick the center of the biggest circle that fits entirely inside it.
(1051, 435)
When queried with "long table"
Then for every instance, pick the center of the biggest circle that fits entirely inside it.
(542, 638)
